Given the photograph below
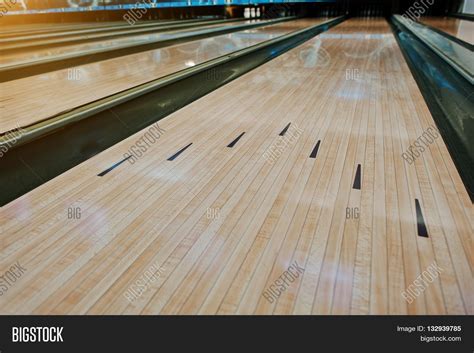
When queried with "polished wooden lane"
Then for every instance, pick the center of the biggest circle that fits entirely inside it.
(58, 30)
(461, 29)
(32, 99)
(106, 44)
(32, 28)
(219, 225)
(24, 28)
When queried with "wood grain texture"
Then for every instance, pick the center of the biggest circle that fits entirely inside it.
(461, 29)
(218, 226)
(33, 99)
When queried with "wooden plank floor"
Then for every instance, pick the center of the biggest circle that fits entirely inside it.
(26, 29)
(33, 99)
(218, 225)
(32, 27)
(461, 29)
(29, 56)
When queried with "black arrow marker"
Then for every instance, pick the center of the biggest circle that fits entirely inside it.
(174, 156)
(113, 167)
(315, 150)
(283, 132)
(232, 144)
(357, 178)
(420, 222)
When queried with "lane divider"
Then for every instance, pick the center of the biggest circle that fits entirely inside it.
(27, 68)
(56, 144)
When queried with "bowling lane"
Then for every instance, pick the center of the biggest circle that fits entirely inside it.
(26, 29)
(55, 29)
(461, 29)
(91, 32)
(32, 99)
(225, 218)
(108, 44)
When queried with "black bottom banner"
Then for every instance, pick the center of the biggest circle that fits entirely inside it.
(222, 333)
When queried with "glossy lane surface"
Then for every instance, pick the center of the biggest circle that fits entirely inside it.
(108, 44)
(36, 98)
(461, 29)
(219, 225)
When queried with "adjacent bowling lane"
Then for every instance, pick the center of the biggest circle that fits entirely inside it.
(296, 163)
(461, 29)
(26, 29)
(108, 44)
(54, 29)
(36, 98)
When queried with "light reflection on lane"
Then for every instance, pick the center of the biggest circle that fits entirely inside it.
(359, 74)
(454, 53)
(360, 36)
(100, 79)
(461, 29)
(16, 58)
